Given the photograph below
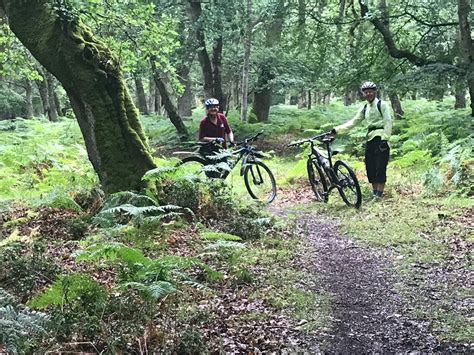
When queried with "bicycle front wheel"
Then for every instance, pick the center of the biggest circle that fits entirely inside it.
(348, 185)
(317, 180)
(260, 182)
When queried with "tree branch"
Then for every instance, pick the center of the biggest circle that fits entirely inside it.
(390, 43)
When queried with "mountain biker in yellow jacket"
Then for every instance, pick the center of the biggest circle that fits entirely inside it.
(377, 116)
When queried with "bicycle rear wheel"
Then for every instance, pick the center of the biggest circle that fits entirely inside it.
(348, 185)
(260, 182)
(317, 179)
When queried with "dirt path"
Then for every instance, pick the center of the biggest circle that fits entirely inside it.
(369, 315)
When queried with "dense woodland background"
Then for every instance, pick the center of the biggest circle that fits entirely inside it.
(105, 247)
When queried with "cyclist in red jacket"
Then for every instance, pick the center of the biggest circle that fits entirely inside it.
(214, 126)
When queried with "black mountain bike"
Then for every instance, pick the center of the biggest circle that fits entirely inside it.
(324, 176)
(258, 178)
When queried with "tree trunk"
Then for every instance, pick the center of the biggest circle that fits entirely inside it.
(217, 74)
(302, 99)
(264, 90)
(29, 99)
(158, 103)
(466, 47)
(151, 95)
(115, 142)
(141, 97)
(460, 95)
(170, 108)
(310, 99)
(327, 98)
(57, 103)
(194, 12)
(261, 104)
(348, 98)
(236, 96)
(53, 109)
(44, 94)
(396, 105)
(287, 98)
(246, 64)
(185, 101)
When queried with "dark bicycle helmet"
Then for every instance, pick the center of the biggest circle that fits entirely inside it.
(211, 102)
(368, 85)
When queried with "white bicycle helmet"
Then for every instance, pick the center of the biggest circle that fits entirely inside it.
(211, 102)
(368, 85)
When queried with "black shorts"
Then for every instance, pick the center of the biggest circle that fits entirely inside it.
(377, 155)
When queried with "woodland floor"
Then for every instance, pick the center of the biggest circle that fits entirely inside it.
(362, 302)
(373, 307)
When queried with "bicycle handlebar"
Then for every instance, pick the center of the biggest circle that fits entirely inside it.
(324, 137)
(248, 140)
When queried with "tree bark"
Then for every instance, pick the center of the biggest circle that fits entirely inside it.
(90, 74)
(327, 98)
(246, 65)
(460, 96)
(57, 103)
(261, 104)
(44, 95)
(310, 99)
(29, 99)
(141, 97)
(396, 105)
(53, 109)
(302, 99)
(217, 74)
(467, 47)
(185, 101)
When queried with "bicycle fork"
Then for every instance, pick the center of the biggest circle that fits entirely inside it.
(257, 180)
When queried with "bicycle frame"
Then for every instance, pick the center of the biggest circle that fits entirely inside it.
(246, 153)
(323, 161)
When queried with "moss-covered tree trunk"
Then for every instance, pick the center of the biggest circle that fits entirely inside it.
(91, 76)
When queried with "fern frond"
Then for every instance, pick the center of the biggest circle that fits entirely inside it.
(197, 285)
(19, 328)
(155, 290)
(219, 167)
(134, 210)
(112, 252)
(6, 298)
(158, 174)
(223, 154)
(127, 198)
